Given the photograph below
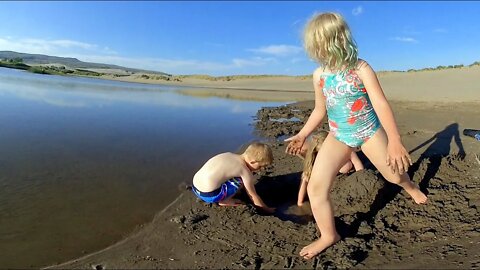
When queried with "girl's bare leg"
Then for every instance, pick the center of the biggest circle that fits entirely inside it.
(376, 151)
(332, 155)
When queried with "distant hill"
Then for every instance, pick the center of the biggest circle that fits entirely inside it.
(41, 59)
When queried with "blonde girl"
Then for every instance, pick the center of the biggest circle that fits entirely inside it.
(359, 115)
(309, 154)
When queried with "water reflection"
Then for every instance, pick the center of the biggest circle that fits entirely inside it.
(84, 161)
(80, 92)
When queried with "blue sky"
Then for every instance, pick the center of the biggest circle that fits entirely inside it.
(236, 37)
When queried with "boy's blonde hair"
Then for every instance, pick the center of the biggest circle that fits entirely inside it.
(328, 40)
(312, 152)
(259, 152)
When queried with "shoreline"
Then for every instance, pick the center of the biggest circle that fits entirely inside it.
(433, 86)
(132, 234)
(190, 234)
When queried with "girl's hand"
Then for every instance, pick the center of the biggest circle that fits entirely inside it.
(398, 158)
(295, 145)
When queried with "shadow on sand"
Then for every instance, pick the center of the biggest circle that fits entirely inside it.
(438, 149)
(281, 191)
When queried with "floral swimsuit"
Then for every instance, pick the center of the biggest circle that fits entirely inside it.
(351, 117)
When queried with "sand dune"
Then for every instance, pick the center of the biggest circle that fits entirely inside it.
(448, 85)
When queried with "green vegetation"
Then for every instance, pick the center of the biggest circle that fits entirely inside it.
(72, 63)
(477, 63)
(17, 63)
(304, 77)
(229, 78)
(120, 75)
(160, 77)
(85, 72)
(53, 70)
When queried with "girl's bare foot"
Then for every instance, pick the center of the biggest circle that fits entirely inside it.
(318, 246)
(418, 196)
(230, 202)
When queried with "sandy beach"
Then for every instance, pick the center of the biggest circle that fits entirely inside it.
(448, 85)
(381, 227)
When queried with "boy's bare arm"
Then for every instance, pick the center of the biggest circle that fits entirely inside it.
(248, 182)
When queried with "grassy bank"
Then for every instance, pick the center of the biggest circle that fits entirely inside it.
(49, 70)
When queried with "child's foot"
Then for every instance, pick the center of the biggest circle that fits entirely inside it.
(318, 246)
(418, 196)
(230, 202)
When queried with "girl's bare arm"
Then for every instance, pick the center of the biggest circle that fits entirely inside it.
(398, 157)
(302, 192)
(315, 118)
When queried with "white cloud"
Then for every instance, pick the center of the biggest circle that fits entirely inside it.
(43, 46)
(278, 50)
(65, 43)
(297, 22)
(296, 60)
(405, 39)
(255, 61)
(102, 54)
(159, 64)
(177, 66)
(357, 11)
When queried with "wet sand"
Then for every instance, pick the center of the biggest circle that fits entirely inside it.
(381, 227)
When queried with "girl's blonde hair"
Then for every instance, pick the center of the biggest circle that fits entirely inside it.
(312, 152)
(328, 40)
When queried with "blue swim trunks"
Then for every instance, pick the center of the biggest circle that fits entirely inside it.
(226, 190)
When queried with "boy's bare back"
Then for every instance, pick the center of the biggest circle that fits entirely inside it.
(219, 169)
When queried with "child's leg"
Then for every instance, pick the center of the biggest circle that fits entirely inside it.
(346, 168)
(231, 188)
(357, 163)
(376, 151)
(332, 155)
(354, 162)
(230, 202)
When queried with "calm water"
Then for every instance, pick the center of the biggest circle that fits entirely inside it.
(84, 161)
